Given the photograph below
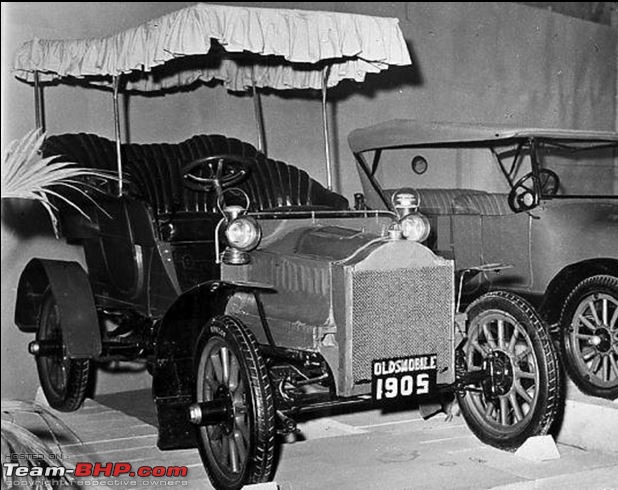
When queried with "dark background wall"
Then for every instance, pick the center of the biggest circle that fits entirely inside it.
(473, 62)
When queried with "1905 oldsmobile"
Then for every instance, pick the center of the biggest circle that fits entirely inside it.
(254, 294)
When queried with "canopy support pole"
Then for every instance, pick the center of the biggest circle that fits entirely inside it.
(259, 117)
(39, 106)
(329, 168)
(116, 82)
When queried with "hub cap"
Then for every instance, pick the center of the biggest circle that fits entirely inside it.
(594, 337)
(500, 370)
(499, 346)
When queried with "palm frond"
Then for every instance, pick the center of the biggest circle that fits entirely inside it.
(19, 442)
(28, 175)
(11, 410)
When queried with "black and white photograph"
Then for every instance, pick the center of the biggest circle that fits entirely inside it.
(310, 245)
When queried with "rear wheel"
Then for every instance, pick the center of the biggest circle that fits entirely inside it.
(64, 380)
(238, 450)
(519, 395)
(589, 336)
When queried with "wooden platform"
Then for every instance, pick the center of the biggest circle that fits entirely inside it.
(367, 449)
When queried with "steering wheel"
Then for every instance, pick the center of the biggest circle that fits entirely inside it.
(523, 196)
(216, 171)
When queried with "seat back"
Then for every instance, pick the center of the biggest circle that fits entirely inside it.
(436, 201)
(483, 204)
(155, 172)
(440, 201)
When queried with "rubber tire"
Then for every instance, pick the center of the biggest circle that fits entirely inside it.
(549, 403)
(72, 396)
(595, 284)
(242, 342)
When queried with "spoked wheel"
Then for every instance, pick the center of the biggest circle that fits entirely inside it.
(518, 395)
(589, 340)
(64, 380)
(236, 421)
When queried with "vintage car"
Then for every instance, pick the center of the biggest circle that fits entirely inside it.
(543, 202)
(253, 293)
(313, 306)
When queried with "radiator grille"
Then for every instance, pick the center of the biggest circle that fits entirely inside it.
(402, 312)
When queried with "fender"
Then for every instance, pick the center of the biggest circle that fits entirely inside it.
(176, 339)
(565, 281)
(70, 286)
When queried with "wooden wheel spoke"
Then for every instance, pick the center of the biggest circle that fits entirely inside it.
(489, 337)
(605, 311)
(240, 439)
(503, 411)
(519, 374)
(587, 322)
(596, 363)
(224, 354)
(238, 394)
(241, 424)
(516, 408)
(233, 451)
(523, 393)
(234, 374)
(588, 353)
(593, 310)
(489, 410)
(614, 320)
(513, 341)
(480, 348)
(501, 343)
(605, 369)
(613, 364)
(523, 354)
(210, 382)
(215, 360)
(224, 452)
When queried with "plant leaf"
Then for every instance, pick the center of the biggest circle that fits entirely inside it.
(28, 175)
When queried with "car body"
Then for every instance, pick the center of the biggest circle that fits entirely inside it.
(541, 201)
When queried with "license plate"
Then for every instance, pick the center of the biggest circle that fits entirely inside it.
(403, 377)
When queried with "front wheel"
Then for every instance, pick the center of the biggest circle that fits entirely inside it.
(64, 380)
(238, 449)
(517, 395)
(589, 336)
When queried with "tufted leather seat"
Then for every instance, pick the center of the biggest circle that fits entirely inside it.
(437, 201)
(483, 204)
(440, 201)
(154, 172)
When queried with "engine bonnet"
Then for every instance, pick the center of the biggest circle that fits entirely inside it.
(328, 243)
(299, 265)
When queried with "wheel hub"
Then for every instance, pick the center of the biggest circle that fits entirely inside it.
(218, 411)
(224, 394)
(602, 340)
(499, 371)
